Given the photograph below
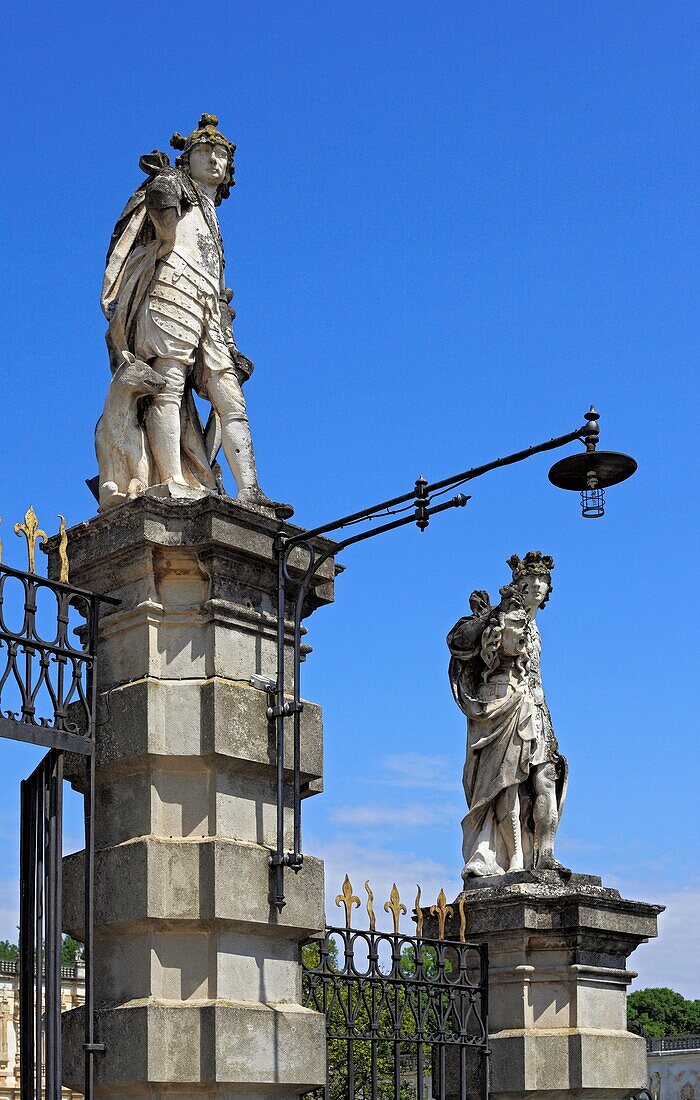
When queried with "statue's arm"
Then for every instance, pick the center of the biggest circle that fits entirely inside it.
(164, 201)
(165, 224)
(464, 639)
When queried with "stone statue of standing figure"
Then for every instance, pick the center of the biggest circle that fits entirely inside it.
(514, 776)
(170, 335)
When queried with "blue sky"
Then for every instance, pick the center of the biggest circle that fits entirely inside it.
(455, 226)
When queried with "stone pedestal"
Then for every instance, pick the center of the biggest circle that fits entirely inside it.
(197, 978)
(558, 981)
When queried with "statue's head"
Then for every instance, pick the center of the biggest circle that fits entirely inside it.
(532, 578)
(207, 156)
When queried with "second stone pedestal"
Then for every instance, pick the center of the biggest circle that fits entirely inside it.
(197, 977)
(558, 979)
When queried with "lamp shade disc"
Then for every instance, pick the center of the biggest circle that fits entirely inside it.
(609, 467)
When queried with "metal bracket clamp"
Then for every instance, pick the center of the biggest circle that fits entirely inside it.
(286, 859)
(284, 711)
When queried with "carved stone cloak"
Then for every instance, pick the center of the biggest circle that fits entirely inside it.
(129, 273)
(502, 746)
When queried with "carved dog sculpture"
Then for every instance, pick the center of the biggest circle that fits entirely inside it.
(122, 450)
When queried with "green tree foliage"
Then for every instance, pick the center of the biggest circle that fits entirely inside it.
(352, 1001)
(69, 948)
(660, 1012)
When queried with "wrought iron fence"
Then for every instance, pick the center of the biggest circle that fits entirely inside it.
(47, 653)
(406, 1016)
(48, 696)
(40, 929)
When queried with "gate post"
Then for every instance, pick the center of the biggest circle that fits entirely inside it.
(197, 977)
(558, 977)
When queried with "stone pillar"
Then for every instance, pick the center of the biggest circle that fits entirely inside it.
(558, 981)
(197, 978)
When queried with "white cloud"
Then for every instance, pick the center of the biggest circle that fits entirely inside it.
(416, 769)
(411, 816)
(673, 959)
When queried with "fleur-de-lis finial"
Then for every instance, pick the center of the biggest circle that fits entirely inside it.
(396, 907)
(419, 914)
(462, 918)
(370, 908)
(32, 532)
(347, 899)
(442, 911)
(63, 550)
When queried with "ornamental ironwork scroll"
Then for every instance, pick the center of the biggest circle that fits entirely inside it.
(48, 633)
(48, 696)
(406, 1015)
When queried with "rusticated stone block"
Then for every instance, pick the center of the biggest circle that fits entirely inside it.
(277, 1048)
(215, 717)
(154, 879)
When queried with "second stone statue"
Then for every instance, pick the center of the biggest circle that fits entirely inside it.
(170, 336)
(514, 776)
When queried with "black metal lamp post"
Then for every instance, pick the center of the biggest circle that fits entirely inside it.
(589, 473)
(592, 472)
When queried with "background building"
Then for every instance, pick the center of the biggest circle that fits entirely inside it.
(674, 1067)
(72, 995)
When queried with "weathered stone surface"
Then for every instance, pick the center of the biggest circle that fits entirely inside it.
(197, 977)
(558, 949)
(167, 307)
(158, 879)
(516, 878)
(513, 760)
(164, 1047)
(141, 551)
(204, 718)
(197, 581)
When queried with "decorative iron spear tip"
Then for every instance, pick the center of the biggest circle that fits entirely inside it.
(370, 908)
(396, 907)
(0, 542)
(419, 913)
(32, 532)
(442, 911)
(462, 918)
(63, 550)
(347, 899)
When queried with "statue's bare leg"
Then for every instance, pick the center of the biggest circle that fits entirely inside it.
(163, 422)
(508, 817)
(546, 816)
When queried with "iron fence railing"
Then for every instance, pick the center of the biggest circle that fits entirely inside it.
(48, 697)
(47, 655)
(406, 1015)
(40, 930)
